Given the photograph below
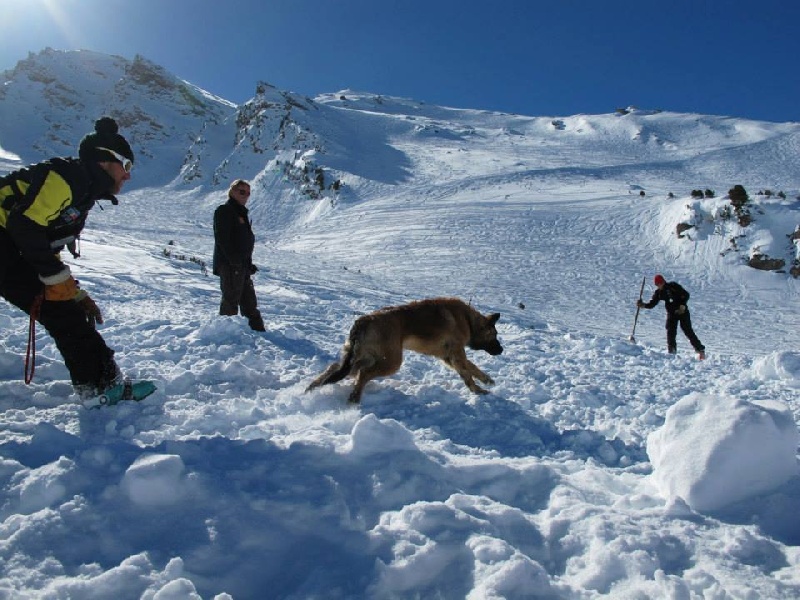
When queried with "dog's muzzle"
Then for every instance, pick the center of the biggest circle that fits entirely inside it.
(493, 348)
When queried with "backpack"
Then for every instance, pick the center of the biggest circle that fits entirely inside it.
(681, 295)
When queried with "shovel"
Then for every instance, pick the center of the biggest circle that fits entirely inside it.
(636, 318)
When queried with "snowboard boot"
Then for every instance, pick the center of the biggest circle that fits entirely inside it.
(126, 390)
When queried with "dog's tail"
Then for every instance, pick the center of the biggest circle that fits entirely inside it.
(337, 371)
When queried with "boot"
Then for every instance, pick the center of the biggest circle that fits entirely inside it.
(256, 323)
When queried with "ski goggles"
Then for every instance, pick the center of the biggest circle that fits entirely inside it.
(126, 163)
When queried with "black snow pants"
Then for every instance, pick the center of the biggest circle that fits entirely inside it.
(88, 359)
(239, 295)
(685, 321)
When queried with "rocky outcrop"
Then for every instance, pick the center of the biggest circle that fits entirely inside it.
(765, 263)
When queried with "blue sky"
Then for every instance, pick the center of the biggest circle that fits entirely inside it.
(532, 57)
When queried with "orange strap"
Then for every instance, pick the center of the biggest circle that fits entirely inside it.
(30, 353)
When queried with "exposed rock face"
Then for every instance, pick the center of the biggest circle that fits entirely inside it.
(737, 220)
(765, 263)
(680, 228)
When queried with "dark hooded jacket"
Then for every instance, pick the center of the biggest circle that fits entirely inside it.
(233, 237)
(673, 296)
(44, 207)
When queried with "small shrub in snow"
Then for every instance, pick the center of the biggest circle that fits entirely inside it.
(738, 196)
(739, 199)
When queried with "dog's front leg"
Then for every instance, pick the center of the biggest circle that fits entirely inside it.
(461, 365)
(479, 374)
(474, 387)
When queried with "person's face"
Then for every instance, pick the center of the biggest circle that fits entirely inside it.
(241, 193)
(117, 172)
(660, 285)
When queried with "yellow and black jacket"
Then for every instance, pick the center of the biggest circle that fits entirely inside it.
(44, 207)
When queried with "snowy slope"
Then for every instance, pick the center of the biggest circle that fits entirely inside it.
(596, 468)
(50, 100)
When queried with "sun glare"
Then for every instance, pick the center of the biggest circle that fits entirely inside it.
(46, 22)
(59, 13)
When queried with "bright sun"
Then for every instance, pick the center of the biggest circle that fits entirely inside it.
(43, 22)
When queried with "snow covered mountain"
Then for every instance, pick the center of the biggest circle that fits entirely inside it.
(347, 147)
(50, 100)
(596, 468)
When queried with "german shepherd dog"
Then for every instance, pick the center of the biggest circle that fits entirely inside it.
(440, 327)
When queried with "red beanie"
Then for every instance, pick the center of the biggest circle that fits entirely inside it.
(659, 280)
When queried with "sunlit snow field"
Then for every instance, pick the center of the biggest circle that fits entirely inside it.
(596, 467)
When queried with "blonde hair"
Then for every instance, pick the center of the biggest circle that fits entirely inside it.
(237, 183)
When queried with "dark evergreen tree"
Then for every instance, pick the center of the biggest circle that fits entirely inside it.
(738, 196)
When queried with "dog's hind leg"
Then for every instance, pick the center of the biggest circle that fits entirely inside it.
(367, 369)
(363, 374)
(355, 395)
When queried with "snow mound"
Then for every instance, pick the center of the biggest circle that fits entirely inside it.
(783, 366)
(155, 480)
(373, 436)
(715, 450)
(45, 486)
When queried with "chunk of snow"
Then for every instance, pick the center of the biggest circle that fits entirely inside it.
(716, 450)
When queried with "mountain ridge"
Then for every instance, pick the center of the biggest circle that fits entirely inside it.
(50, 99)
(309, 158)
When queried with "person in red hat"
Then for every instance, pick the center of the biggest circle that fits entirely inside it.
(675, 301)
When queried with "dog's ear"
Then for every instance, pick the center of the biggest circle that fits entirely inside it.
(493, 318)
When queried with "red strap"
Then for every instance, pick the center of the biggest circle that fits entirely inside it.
(30, 353)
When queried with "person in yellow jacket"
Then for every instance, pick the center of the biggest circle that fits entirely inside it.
(43, 208)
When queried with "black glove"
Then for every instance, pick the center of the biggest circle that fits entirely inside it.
(639, 303)
(681, 309)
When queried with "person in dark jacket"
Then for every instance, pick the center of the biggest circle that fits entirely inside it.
(675, 301)
(233, 256)
(43, 208)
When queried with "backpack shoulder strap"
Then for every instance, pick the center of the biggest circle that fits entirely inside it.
(680, 292)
